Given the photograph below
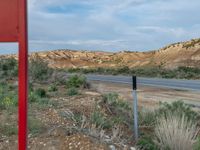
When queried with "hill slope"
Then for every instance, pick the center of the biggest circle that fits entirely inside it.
(171, 56)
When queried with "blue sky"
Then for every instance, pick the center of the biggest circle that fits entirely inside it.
(109, 25)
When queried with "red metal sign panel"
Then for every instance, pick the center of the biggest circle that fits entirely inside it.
(9, 20)
(13, 28)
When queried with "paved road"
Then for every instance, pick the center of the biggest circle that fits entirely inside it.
(156, 82)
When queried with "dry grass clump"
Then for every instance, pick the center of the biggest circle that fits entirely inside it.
(175, 132)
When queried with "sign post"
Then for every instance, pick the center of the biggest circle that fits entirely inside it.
(23, 75)
(135, 107)
(13, 28)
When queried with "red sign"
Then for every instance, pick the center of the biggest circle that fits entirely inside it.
(13, 28)
(9, 20)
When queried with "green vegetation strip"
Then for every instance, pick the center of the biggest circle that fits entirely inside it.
(160, 72)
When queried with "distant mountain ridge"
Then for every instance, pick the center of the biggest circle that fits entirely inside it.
(172, 56)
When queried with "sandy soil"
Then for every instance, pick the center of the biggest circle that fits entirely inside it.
(149, 97)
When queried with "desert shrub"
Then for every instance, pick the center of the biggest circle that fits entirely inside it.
(112, 99)
(120, 109)
(8, 129)
(40, 99)
(147, 71)
(123, 70)
(147, 118)
(32, 97)
(39, 69)
(188, 72)
(175, 132)
(8, 64)
(8, 67)
(77, 81)
(72, 91)
(191, 44)
(35, 126)
(99, 120)
(30, 86)
(61, 81)
(40, 92)
(74, 70)
(3, 83)
(146, 143)
(89, 70)
(52, 88)
(59, 77)
(168, 74)
(178, 108)
(197, 144)
(8, 97)
(116, 112)
(78, 117)
(44, 102)
(8, 102)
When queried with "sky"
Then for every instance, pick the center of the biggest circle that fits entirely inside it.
(109, 25)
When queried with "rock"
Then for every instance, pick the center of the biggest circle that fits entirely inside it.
(112, 147)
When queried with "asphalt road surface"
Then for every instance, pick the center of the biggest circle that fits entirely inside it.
(156, 82)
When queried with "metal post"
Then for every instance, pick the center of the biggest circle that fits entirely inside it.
(23, 75)
(13, 28)
(135, 108)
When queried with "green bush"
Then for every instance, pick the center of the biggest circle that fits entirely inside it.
(147, 71)
(77, 81)
(110, 98)
(8, 102)
(58, 77)
(32, 97)
(8, 68)
(197, 144)
(120, 109)
(52, 88)
(123, 70)
(8, 130)
(44, 102)
(113, 99)
(100, 120)
(30, 86)
(178, 108)
(40, 92)
(39, 69)
(147, 118)
(188, 73)
(72, 91)
(35, 126)
(41, 102)
(8, 97)
(146, 143)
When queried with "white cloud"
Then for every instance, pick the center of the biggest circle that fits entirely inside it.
(102, 23)
(111, 24)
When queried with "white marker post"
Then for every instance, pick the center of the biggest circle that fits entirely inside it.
(135, 107)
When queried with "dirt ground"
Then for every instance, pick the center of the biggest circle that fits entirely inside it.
(58, 130)
(148, 96)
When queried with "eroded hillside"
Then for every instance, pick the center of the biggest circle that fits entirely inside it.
(171, 56)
